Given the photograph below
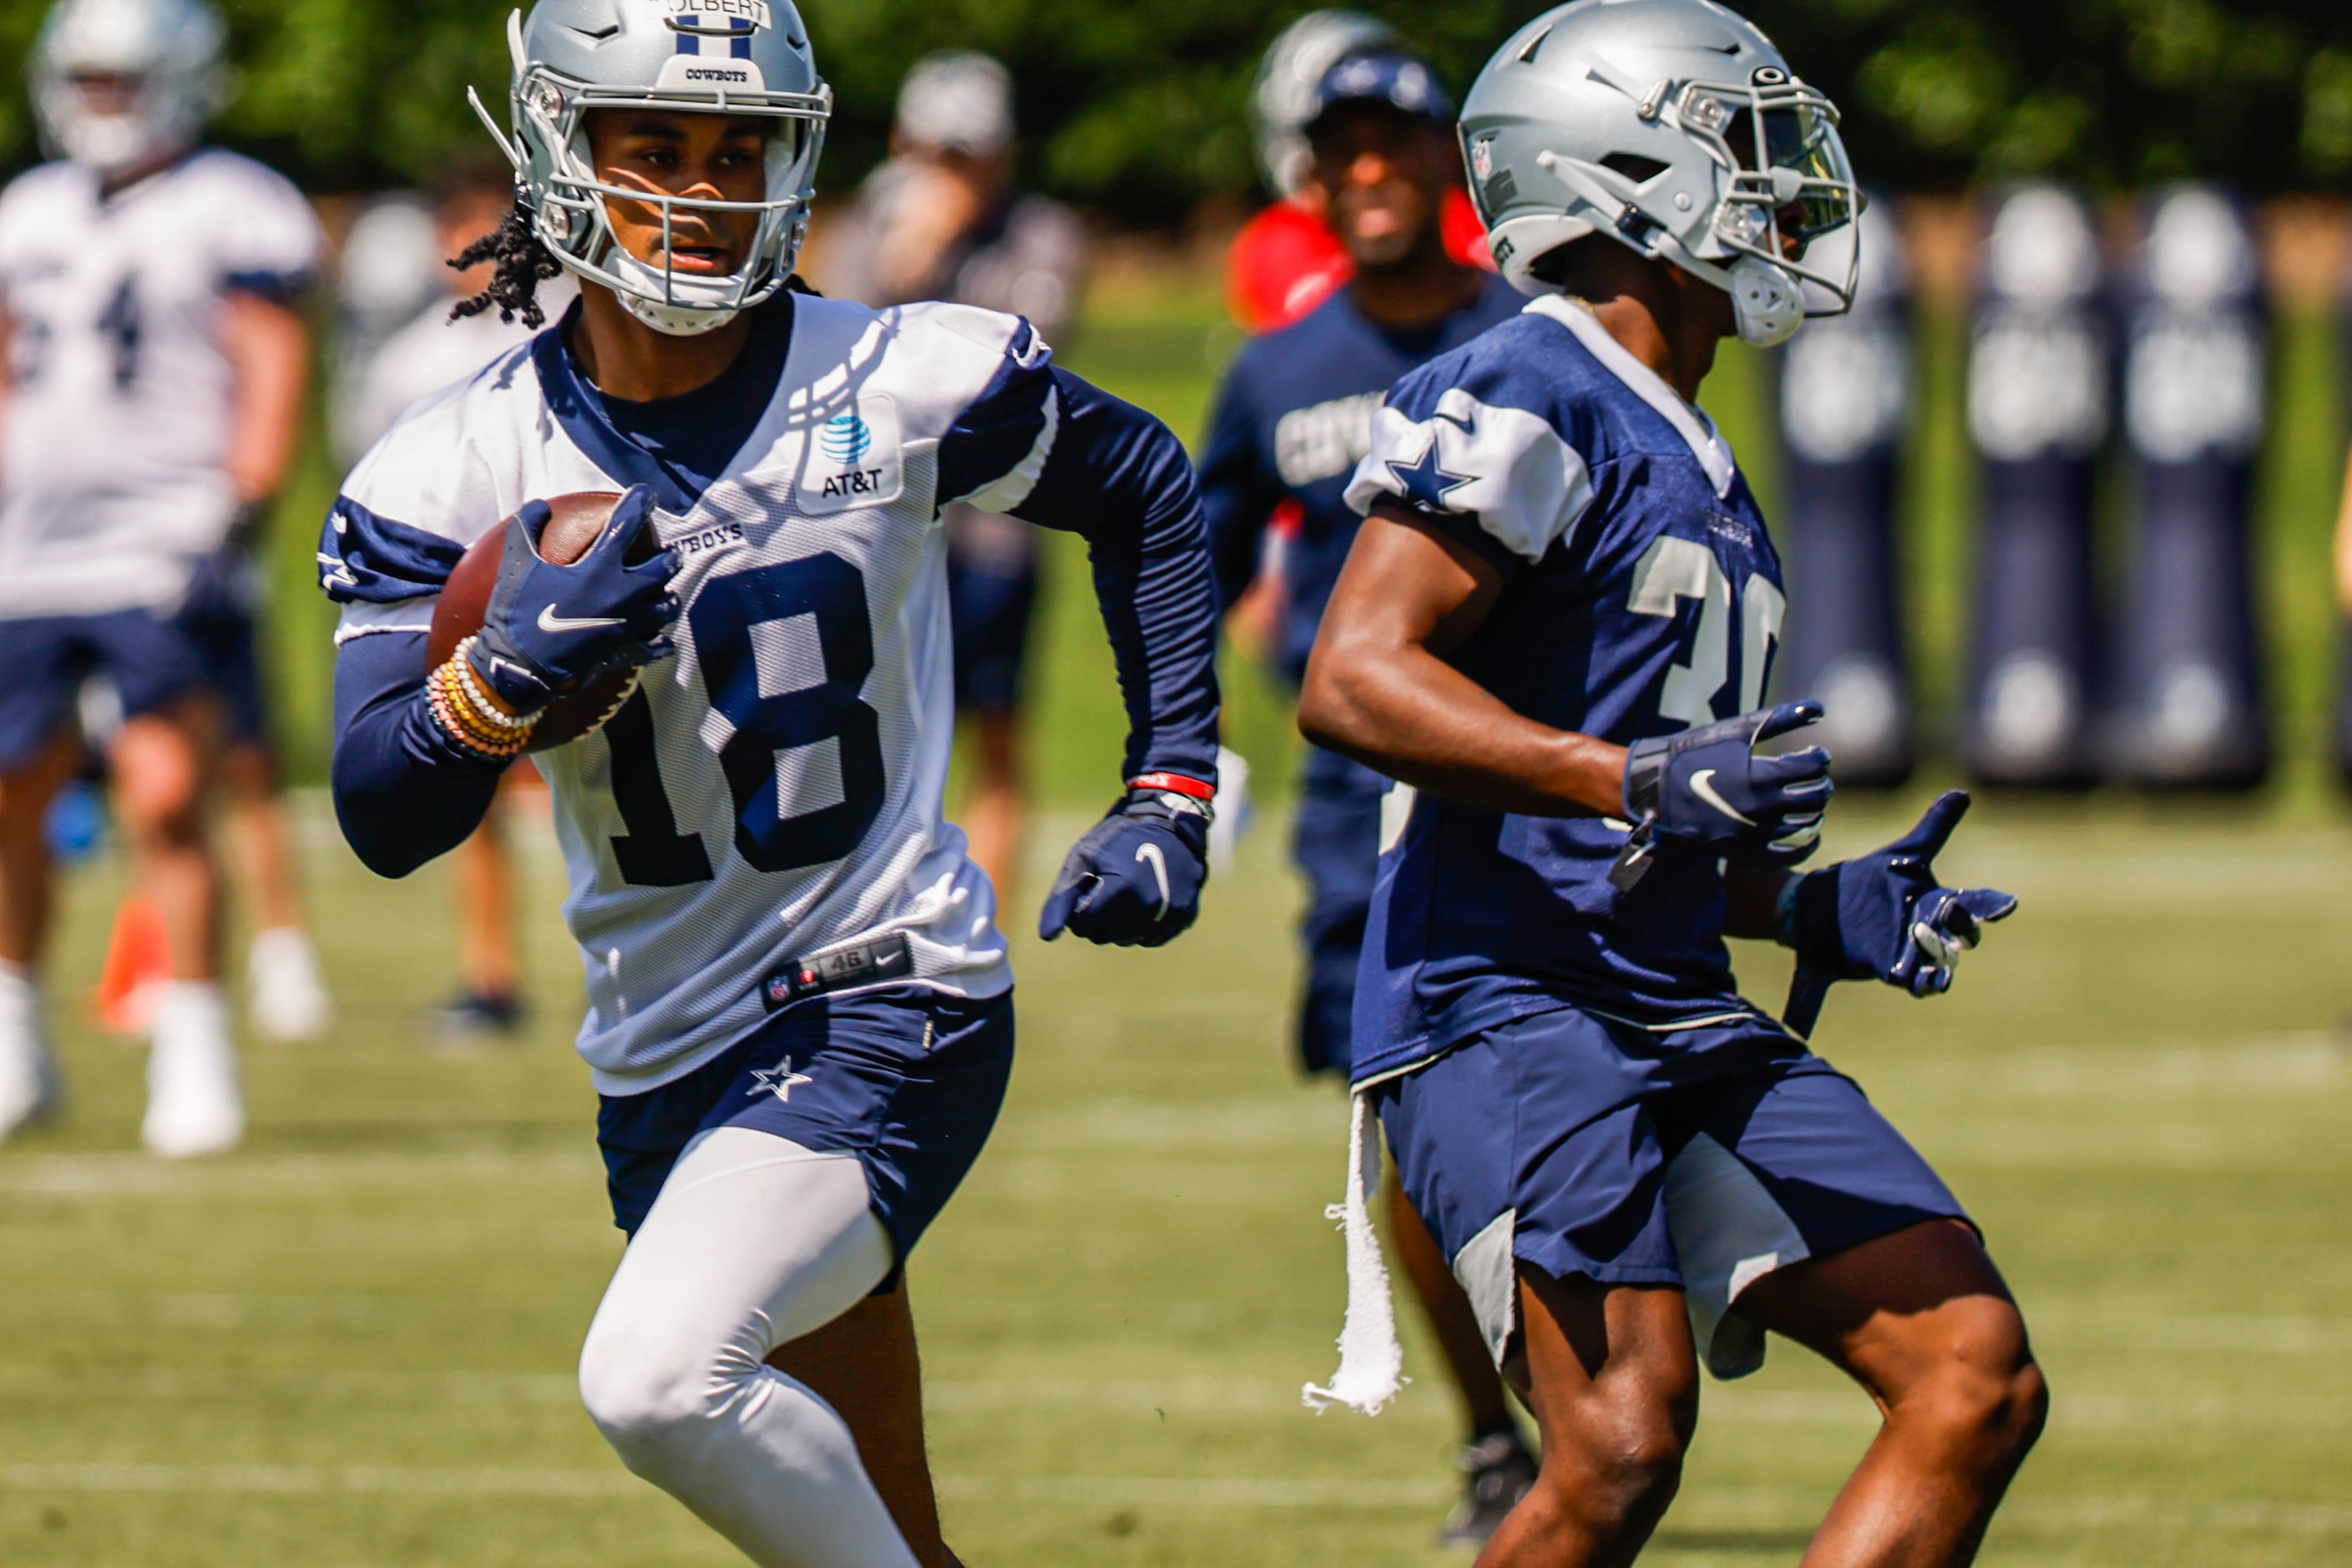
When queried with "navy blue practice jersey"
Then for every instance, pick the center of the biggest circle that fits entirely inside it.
(1642, 596)
(1292, 420)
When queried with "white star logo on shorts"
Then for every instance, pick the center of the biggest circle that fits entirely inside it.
(779, 1081)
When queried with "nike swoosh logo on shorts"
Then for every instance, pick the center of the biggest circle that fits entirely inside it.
(1150, 854)
(1702, 785)
(549, 621)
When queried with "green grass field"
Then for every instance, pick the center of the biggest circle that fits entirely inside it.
(352, 1342)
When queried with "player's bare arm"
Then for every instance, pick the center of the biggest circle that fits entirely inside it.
(269, 350)
(1382, 688)
(1752, 902)
(1379, 691)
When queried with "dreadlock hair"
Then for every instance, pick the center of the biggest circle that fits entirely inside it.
(523, 263)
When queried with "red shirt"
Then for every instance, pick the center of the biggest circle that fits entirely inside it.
(1286, 261)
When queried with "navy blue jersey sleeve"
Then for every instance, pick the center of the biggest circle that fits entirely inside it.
(273, 287)
(1238, 492)
(367, 559)
(404, 792)
(1053, 449)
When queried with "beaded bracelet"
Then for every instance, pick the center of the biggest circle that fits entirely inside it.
(470, 738)
(441, 696)
(480, 698)
(454, 713)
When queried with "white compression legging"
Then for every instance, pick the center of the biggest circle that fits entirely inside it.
(753, 1242)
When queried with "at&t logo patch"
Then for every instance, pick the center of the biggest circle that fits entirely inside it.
(852, 459)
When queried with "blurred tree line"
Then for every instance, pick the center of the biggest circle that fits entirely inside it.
(1136, 108)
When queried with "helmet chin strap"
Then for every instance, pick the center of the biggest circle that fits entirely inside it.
(1766, 302)
(671, 321)
(1768, 305)
(690, 317)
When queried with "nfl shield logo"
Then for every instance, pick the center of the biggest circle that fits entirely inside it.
(1482, 159)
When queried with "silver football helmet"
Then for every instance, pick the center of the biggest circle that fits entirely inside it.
(709, 56)
(166, 55)
(1675, 127)
(1294, 65)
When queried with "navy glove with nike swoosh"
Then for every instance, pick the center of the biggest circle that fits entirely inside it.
(1884, 917)
(1135, 880)
(1709, 789)
(551, 629)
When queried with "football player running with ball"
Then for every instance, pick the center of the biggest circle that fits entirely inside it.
(800, 1018)
(1556, 624)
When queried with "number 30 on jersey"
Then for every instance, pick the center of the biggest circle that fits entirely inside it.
(1675, 568)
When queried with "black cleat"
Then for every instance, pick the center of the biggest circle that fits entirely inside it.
(476, 1015)
(1498, 1470)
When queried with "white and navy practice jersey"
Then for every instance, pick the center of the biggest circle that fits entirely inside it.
(775, 792)
(1641, 596)
(120, 398)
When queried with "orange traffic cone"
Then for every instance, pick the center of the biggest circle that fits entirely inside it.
(138, 966)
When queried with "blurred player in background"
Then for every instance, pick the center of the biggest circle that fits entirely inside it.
(155, 373)
(801, 1021)
(1558, 625)
(1293, 419)
(941, 220)
(433, 350)
(1288, 259)
(220, 619)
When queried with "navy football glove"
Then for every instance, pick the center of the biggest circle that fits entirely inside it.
(1708, 788)
(1884, 917)
(552, 630)
(1135, 880)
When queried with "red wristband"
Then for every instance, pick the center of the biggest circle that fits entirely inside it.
(1174, 783)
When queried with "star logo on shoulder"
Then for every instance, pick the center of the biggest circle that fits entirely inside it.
(779, 1081)
(1426, 482)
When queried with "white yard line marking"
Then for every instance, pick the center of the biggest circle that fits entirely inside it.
(136, 1175)
(281, 1479)
(281, 1384)
(1724, 1405)
(2157, 1069)
(2259, 1515)
(1187, 1492)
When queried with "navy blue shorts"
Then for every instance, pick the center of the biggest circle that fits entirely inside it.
(48, 659)
(219, 620)
(990, 612)
(907, 1078)
(1701, 1160)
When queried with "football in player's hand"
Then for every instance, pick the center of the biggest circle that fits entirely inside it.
(579, 521)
